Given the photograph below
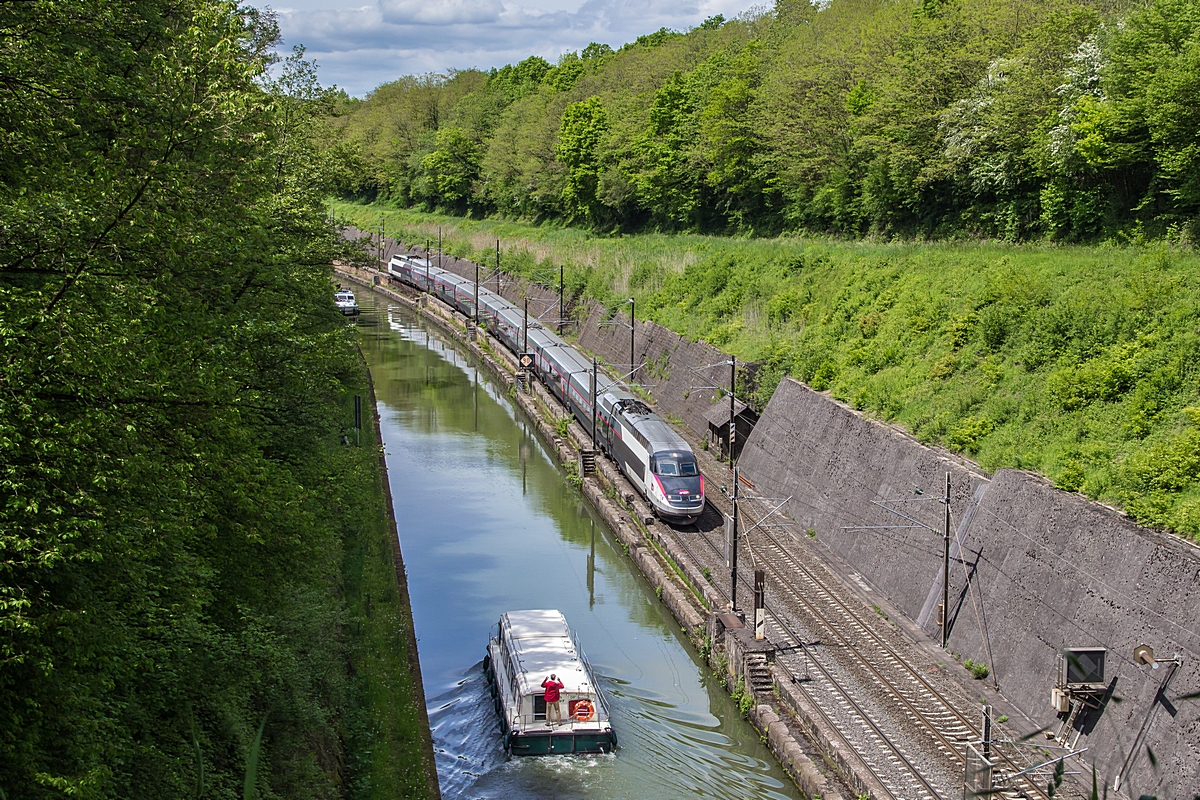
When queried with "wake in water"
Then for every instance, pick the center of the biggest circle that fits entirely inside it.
(471, 761)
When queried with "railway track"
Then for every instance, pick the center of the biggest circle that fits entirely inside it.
(926, 717)
(895, 774)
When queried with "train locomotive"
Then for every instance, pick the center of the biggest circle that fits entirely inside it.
(655, 459)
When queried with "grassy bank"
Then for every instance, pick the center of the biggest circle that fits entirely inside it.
(390, 756)
(1078, 363)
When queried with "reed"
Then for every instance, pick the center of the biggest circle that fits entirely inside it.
(249, 789)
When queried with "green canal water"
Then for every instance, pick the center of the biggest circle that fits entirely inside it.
(488, 523)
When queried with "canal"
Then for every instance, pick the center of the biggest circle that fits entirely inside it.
(489, 523)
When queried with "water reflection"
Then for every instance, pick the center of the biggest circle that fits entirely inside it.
(488, 523)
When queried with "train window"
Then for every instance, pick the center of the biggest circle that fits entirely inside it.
(673, 464)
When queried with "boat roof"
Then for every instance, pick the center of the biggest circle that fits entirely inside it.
(541, 644)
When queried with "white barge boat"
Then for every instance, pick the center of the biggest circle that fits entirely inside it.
(345, 302)
(526, 647)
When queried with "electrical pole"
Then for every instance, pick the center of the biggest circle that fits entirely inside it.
(593, 404)
(560, 299)
(760, 604)
(497, 266)
(946, 566)
(733, 570)
(476, 294)
(525, 327)
(632, 367)
(439, 245)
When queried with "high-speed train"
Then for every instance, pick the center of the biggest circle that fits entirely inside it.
(656, 459)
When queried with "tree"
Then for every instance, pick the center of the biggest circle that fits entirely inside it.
(579, 141)
(171, 374)
(452, 167)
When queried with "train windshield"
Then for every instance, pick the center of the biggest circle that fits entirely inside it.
(675, 465)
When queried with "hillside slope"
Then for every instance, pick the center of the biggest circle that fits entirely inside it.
(1082, 364)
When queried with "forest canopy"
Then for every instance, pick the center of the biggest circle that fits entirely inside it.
(172, 378)
(1064, 120)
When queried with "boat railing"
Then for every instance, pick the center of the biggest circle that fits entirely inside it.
(587, 665)
(568, 722)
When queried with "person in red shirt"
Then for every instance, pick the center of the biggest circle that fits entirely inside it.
(553, 686)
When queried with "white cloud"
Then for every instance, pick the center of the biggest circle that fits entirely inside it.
(440, 12)
(359, 46)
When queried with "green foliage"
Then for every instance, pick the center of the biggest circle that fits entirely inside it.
(978, 669)
(562, 426)
(452, 166)
(1076, 363)
(174, 376)
(1069, 120)
(742, 698)
(579, 137)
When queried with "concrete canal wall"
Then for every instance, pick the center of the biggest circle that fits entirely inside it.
(1048, 570)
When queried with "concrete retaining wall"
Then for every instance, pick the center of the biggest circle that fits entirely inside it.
(1048, 570)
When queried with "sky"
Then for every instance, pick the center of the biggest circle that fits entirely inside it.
(360, 44)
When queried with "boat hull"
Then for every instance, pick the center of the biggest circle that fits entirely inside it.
(532, 744)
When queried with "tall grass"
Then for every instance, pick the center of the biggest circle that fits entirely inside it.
(1082, 364)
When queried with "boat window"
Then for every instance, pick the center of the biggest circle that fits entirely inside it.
(539, 706)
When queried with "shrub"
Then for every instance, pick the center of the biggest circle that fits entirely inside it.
(1072, 388)
(995, 321)
(960, 330)
(824, 376)
(786, 306)
(978, 669)
(965, 436)
(944, 367)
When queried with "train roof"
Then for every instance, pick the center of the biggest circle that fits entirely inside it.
(414, 260)
(662, 436)
(658, 434)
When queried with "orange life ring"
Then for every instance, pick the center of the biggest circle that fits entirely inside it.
(584, 710)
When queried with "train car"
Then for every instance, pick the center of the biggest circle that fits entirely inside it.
(655, 459)
(652, 455)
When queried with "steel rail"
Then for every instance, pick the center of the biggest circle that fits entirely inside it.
(878, 642)
(840, 690)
